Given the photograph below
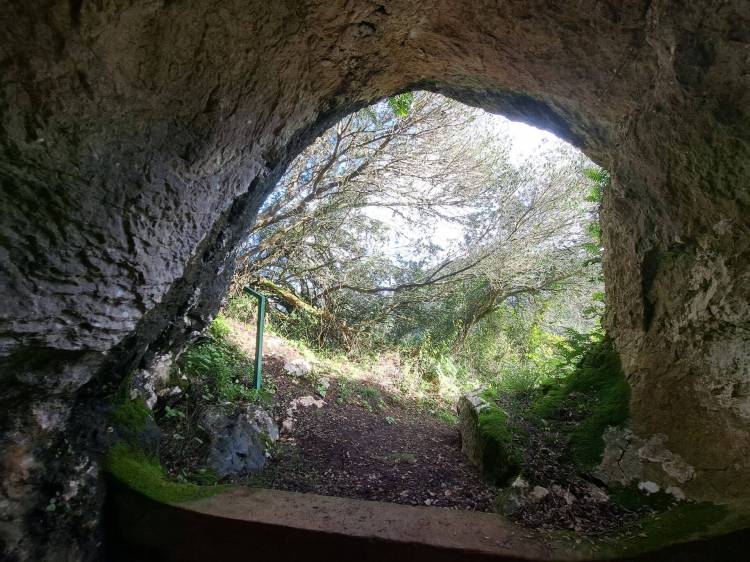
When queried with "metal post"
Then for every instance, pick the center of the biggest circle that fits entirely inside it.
(259, 335)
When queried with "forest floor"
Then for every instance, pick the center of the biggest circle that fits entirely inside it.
(359, 438)
(368, 430)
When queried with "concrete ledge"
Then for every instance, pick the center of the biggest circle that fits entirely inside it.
(259, 525)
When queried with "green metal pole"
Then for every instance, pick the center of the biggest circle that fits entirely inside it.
(259, 335)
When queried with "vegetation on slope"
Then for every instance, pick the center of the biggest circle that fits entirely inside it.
(218, 366)
(596, 393)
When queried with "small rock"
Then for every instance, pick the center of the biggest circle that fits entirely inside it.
(519, 483)
(240, 440)
(565, 494)
(596, 494)
(648, 487)
(297, 368)
(287, 426)
(538, 493)
(306, 402)
(170, 392)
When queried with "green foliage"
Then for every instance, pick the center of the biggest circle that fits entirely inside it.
(220, 367)
(595, 390)
(401, 104)
(131, 415)
(600, 180)
(300, 326)
(344, 391)
(170, 412)
(242, 307)
(446, 417)
(500, 460)
(518, 379)
(369, 392)
(219, 329)
(144, 474)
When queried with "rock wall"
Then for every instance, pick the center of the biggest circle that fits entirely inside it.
(137, 140)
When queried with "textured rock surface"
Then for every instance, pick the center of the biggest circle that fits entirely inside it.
(468, 408)
(490, 450)
(138, 139)
(239, 441)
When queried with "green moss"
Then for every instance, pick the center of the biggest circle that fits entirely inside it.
(219, 329)
(500, 460)
(597, 393)
(145, 475)
(633, 499)
(687, 521)
(131, 416)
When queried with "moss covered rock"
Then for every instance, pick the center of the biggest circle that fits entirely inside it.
(595, 395)
(486, 438)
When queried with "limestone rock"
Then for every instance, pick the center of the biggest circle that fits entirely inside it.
(138, 141)
(470, 405)
(150, 382)
(297, 368)
(649, 487)
(287, 425)
(538, 493)
(239, 441)
(628, 458)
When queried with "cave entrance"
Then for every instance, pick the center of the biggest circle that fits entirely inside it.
(138, 141)
(433, 271)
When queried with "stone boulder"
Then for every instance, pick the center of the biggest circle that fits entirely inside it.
(240, 440)
(297, 367)
(486, 439)
(469, 406)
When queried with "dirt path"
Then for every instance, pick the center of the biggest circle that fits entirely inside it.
(365, 442)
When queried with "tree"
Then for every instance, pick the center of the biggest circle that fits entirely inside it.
(354, 226)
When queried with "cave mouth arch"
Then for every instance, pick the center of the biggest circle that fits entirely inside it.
(138, 142)
(318, 203)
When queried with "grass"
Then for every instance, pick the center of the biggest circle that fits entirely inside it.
(446, 417)
(597, 392)
(500, 461)
(144, 474)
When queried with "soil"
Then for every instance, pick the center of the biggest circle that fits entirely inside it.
(368, 443)
(573, 503)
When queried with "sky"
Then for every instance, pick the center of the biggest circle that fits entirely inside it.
(527, 140)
